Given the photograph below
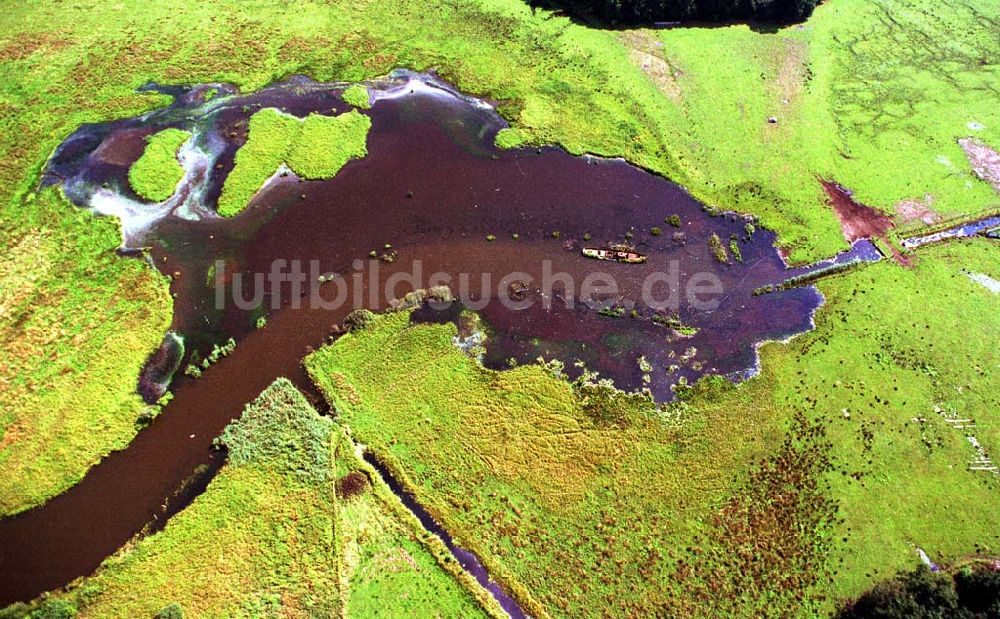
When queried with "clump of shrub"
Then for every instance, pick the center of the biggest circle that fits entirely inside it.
(656, 231)
(674, 220)
(51, 608)
(281, 430)
(436, 294)
(734, 249)
(145, 417)
(612, 312)
(351, 485)
(718, 249)
(358, 320)
(641, 11)
(194, 371)
(605, 404)
(170, 611)
(222, 351)
(667, 321)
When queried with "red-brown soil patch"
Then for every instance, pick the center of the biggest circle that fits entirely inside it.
(26, 44)
(859, 221)
(856, 220)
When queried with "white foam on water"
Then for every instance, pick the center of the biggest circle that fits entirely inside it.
(422, 83)
(137, 218)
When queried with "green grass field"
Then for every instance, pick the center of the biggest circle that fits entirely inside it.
(75, 328)
(780, 496)
(271, 537)
(873, 95)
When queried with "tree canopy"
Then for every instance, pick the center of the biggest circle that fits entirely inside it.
(969, 593)
(636, 11)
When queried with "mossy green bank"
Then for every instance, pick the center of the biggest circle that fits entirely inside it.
(313, 148)
(154, 176)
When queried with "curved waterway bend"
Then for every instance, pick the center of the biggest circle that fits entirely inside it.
(433, 188)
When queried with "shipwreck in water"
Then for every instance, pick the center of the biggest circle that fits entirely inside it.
(617, 253)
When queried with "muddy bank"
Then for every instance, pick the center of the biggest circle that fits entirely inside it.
(857, 221)
(432, 189)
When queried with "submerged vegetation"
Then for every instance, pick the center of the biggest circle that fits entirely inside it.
(313, 148)
(155, 175)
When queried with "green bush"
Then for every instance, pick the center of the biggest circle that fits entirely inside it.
(54, 609)
(718, 249)
(979, 591)
(358, 319)
(170, 611)
(281, 428)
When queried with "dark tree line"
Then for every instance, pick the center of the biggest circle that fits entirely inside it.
(970, 593)
(646, 11)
